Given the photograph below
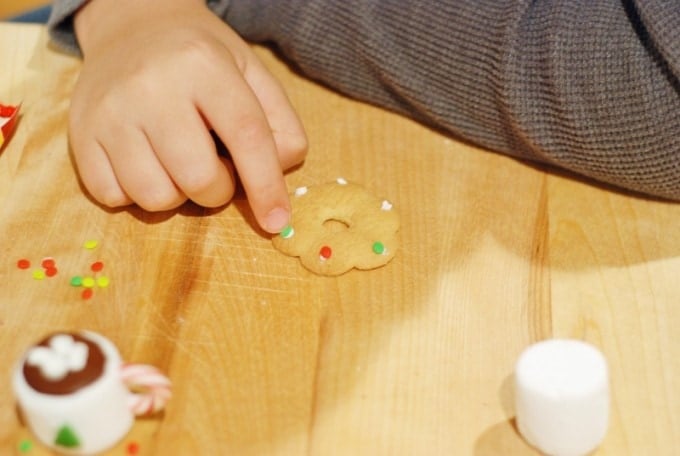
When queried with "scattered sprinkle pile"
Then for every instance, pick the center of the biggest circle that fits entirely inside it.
(94, 278)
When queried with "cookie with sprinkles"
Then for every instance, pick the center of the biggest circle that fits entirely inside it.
(339, 226)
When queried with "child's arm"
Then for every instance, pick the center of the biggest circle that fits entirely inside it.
(157, 76)
(593, 87)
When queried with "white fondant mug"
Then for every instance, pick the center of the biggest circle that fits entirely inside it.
(97, 416)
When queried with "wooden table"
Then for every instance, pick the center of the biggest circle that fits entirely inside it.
(414, 358)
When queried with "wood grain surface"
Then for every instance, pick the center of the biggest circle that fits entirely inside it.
(413, 358)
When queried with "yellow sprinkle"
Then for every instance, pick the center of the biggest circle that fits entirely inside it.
(38, 274)
(88, 282)
(103, 282)
(90, 244)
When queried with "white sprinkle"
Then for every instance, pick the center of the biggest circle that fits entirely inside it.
(300, 191)
(341, 181)
(386, 206)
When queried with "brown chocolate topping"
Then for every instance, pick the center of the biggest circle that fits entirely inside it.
(73, 381)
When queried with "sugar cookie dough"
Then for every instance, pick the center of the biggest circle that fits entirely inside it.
(338, 226)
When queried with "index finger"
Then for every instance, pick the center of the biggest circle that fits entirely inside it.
(233, 110)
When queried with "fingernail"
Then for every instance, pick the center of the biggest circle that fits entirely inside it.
(277, 220)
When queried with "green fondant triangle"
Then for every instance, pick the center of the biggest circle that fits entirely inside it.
(67, 437)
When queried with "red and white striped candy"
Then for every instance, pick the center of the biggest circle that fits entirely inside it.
(154, 385)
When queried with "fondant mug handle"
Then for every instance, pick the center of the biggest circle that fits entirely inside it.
(149, 389)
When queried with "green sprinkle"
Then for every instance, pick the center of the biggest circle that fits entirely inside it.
(378, 248)
(25, 446)
(287, 232)
(76, 281)
(67, 438)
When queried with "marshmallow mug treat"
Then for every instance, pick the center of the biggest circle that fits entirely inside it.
(76, 395)
(338, 226)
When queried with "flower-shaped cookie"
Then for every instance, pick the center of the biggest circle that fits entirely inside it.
(339, 226)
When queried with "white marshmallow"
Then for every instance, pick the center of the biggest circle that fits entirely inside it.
(562, 397)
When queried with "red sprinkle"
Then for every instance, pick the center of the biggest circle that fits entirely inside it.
(23, 263)
(87, 293)
(48, 263)
(51, 272)
(133, 448)
(97, 266)
(325, 252)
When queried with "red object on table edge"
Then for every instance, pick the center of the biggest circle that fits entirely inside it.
(9, 115)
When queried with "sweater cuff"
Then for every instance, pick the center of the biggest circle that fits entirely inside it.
(219, 7)
(60, 25)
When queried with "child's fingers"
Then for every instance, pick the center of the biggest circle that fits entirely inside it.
(289, 134)
(139, 172)
(236, 115)
(96, 172)
(187, 151)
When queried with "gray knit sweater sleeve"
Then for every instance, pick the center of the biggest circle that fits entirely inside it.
(60, 24)
(589, 86)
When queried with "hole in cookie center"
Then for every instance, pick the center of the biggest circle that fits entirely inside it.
(335, 225)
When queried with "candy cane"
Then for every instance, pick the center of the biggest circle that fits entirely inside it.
(154, 385)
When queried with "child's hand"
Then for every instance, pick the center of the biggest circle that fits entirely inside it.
(157, 76)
